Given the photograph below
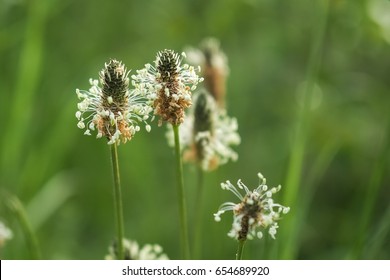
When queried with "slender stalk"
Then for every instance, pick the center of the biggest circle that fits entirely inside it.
(17, 207)
(240, 249)
(198, 214)
(117, 200)
(185, 246)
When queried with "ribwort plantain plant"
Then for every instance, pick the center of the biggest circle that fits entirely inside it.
(115, 113)
(255, 211)
(169, 85)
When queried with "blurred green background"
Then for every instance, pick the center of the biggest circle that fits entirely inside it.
(339, 172)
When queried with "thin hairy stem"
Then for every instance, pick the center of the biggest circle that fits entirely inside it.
(198, 214)
(117, 200)
(240, 249)
(185, 247)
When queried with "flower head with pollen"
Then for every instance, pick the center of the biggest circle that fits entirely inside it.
(207, 134)
(214, 65)
(256, 210)
(110, 108)
(134, 252)
(5, 234)
(168, 85)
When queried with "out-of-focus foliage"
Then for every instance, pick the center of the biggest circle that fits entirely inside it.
(49, 48)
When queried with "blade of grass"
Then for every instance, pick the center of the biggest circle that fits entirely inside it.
(319, 167)
(30, 63)
(379, 237)
(371, 195)
(293, 178)
(49, 152)
(18, 209)
(53, 195)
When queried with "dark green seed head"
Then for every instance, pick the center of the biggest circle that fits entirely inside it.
(167, 63)
(203, 112)
(115, 83)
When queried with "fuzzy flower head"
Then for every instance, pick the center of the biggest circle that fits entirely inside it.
(207, 134)
(110, 108)
(168, 85)
(5, 234)
(214, 65)
(134, 252)
(255, 211)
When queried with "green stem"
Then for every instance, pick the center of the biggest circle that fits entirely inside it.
(198, 214)
(117, 200)
(182, 202)
(240, 249)
(17, 207)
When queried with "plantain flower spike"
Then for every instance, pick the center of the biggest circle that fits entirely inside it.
(134, 252)
(255, 212)
(207, 134)
(5, 234)
(168, 85)
(214, 65)
(110, 108)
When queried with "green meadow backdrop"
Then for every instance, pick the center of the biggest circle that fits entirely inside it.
(309, 85)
